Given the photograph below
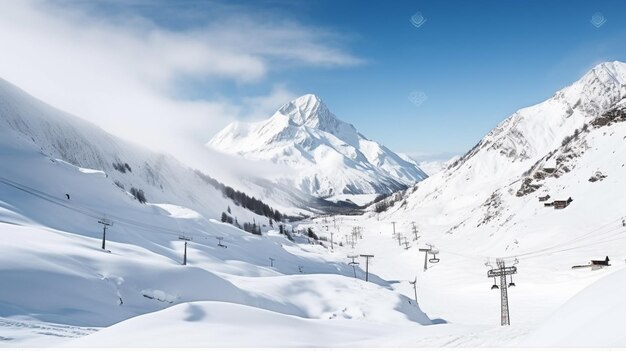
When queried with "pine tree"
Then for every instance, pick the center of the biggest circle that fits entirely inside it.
(311, 234)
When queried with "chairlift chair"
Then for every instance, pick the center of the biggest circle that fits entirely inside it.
(495, 285)
(434, 259)
(511, 284)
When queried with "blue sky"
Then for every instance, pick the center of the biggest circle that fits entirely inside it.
(475, 62)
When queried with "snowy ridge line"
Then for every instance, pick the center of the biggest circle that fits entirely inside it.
(605, 236)
(90, 212)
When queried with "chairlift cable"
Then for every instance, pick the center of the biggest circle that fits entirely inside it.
(89, 212)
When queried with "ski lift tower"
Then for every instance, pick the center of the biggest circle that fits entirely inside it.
(367, 265)
(414, 229)
(186, 239)
(105, 223)
(502, 271)
(430, 250)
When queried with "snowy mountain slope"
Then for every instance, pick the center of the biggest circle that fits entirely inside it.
(592, 318)
(64, 277)
(57, 273)
(58, 283)
(328, 156)
(487, 206)
(59, 135)
(457, 288)
(477, 188)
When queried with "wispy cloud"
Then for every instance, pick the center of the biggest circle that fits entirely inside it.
(122, 72)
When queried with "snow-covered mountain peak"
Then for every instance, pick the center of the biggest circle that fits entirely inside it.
(310, 111)
(307, 109)
(330, 156)
(605, 83)
(532, 131)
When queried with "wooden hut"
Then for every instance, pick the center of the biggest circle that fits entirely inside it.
(549, 166)
(561, 204)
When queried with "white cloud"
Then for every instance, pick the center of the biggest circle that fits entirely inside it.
(122, 73)
(264, 106)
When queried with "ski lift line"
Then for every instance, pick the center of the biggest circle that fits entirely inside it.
(576, 247)
(603, 238)
(84, 210)
(469, 256)
(605, 235)
(565, 249)
(26, 188)
(558, 247)
(88, 212)
(578, 239)
(546, 250)
(43, 196)
(573, 248)
(541, 252)
(526, 257)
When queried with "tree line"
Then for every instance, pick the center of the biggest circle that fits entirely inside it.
(242, 199)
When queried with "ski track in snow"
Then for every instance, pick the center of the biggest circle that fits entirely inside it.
(20, 333)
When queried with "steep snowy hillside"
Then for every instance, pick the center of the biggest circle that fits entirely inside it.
(553, 148)
(328, 156)
(128, 167)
